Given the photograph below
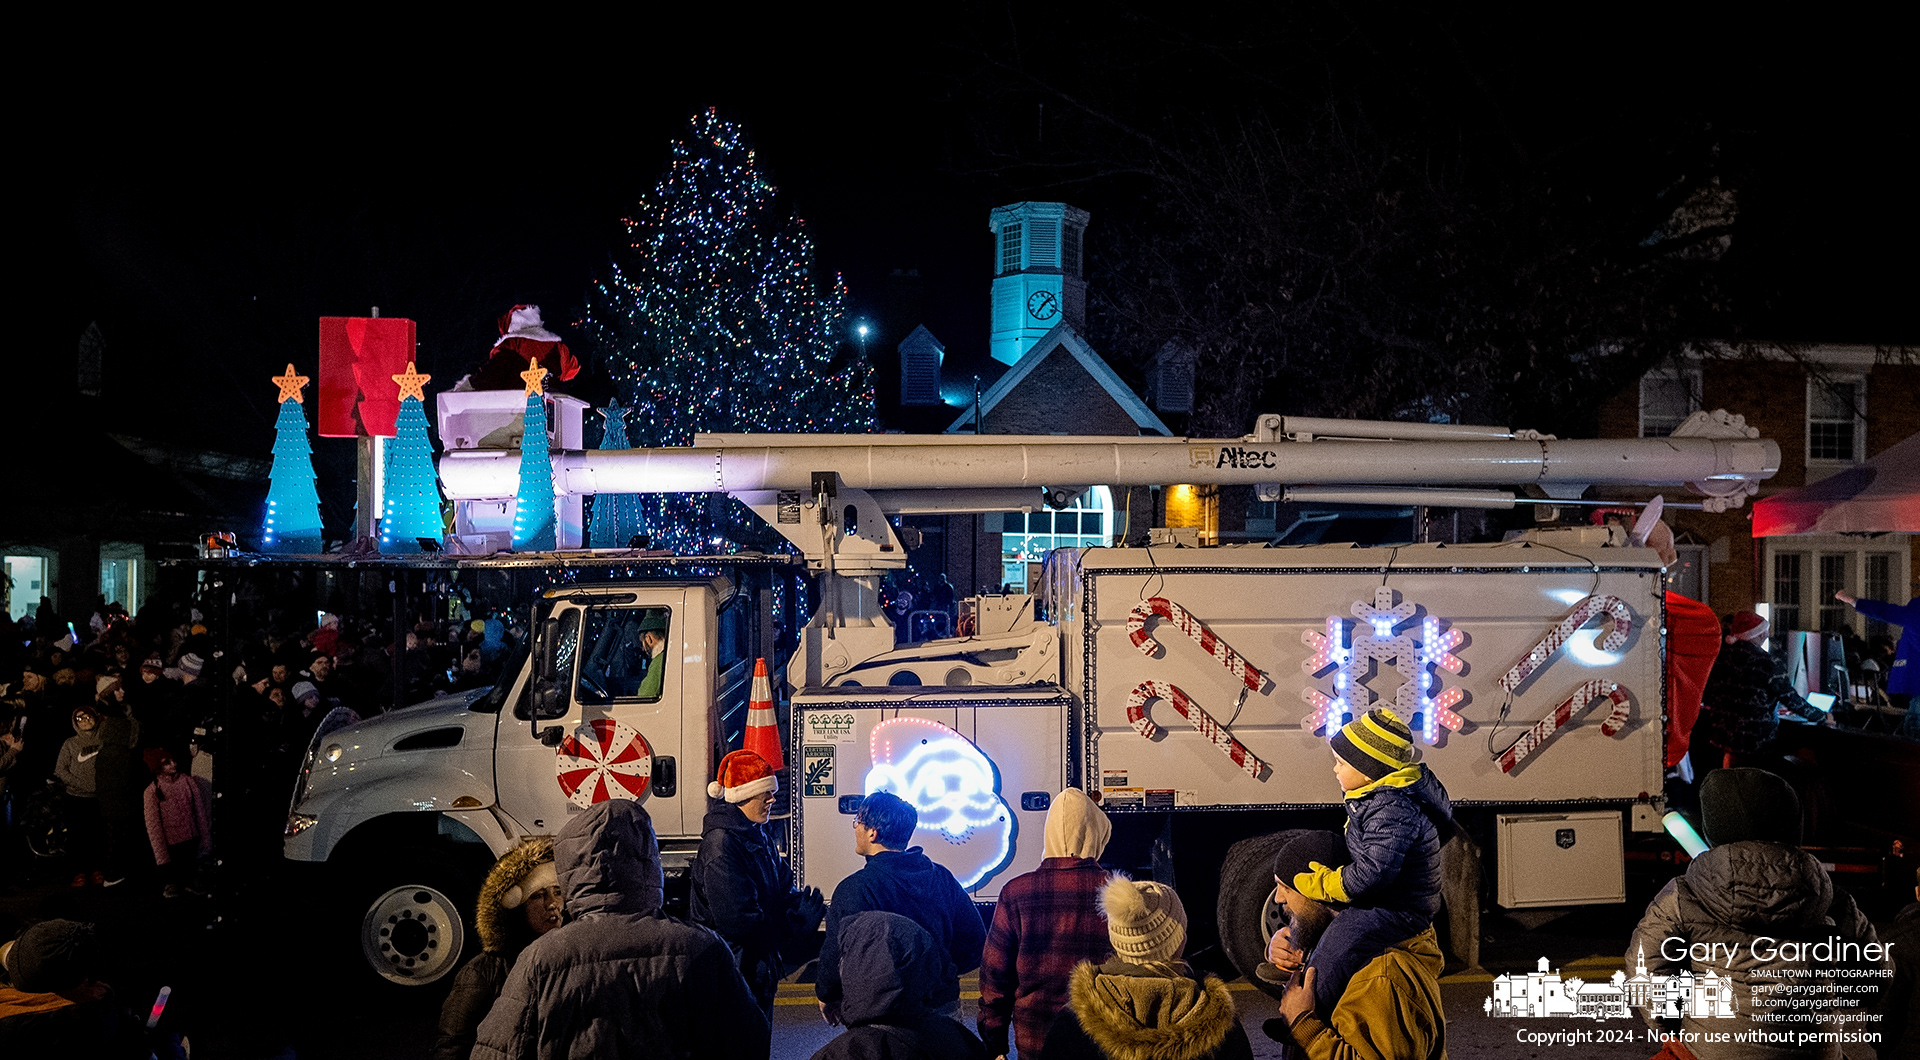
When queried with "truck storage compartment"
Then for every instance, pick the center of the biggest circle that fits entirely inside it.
(1559, 859)
(980, 766)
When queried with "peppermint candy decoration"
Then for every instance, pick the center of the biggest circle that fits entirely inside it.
(1147, 691)
(603, 759)
(1544, 729)
(1248, 674)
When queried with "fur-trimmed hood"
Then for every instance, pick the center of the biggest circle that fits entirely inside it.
(490, 920)
(1136, 1013)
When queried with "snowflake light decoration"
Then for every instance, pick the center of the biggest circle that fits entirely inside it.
(1377, 635)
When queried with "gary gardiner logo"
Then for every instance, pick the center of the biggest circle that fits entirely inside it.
(1544, 993)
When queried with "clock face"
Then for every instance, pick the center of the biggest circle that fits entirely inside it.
(1043, 305)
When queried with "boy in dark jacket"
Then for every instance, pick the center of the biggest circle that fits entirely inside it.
(899, 879)
(893, 973)
(1398, 815)
(740, 889)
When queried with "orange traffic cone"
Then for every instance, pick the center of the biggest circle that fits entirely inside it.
(763, 730)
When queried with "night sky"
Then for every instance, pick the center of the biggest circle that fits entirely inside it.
(205, 196)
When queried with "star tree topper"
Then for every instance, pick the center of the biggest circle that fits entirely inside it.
(290, 385)
(535, 377)
(1413, 654)
(410, 383)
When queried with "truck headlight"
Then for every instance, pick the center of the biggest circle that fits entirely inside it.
(300, 822)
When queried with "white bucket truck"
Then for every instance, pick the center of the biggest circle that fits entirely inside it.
(1192, 689)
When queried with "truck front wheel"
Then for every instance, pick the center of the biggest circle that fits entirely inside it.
(412, 930)
(1246, 914)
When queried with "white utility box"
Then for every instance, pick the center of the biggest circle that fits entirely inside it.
(1560, 859)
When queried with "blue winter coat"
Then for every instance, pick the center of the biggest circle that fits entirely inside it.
(1905, 675)
(1395, 829)
(911, 884)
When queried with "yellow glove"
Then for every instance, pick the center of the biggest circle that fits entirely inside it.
(1320, 883)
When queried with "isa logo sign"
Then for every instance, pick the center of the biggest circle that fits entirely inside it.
(816, 775)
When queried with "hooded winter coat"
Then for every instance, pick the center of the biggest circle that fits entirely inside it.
(622, 978)
(1123, 1011)
(739, 891)
(79, 757)
(1730, 896)
(1046, 923)
(480, 981)
(909, 883)
(892, 972)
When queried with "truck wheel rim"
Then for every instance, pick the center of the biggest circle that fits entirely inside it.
(412, 935)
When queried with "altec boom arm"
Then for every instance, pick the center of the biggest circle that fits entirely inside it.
(1725, 469)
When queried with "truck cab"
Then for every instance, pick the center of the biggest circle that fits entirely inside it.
(624, 690)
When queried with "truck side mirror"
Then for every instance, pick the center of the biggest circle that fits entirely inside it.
(550, 692)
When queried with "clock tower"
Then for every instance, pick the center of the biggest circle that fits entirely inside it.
(1037, 283)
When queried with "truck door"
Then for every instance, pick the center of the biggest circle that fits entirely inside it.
(621, 668)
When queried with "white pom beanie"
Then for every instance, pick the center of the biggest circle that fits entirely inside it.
(1145, 920)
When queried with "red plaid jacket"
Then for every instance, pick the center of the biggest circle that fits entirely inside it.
(1046, 922)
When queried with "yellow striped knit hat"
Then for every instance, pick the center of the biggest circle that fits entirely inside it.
(1375, 743)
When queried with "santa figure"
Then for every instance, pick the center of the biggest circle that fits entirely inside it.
(522, 337)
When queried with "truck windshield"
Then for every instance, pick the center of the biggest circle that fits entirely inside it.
(624, 656)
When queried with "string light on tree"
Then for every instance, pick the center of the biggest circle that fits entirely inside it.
(533, 512)
(713, 320)
(412, 486)
(616, 516)
(293, 506)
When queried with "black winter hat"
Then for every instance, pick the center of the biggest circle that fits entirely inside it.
(1327, 848)
(1737, 805)
(51, 956)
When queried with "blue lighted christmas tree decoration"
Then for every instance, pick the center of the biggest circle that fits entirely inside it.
(714, 320)
(533, 513)
(412, 487)
(293, 507)
(616, 516)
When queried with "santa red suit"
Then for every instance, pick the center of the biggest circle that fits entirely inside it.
(524, 337)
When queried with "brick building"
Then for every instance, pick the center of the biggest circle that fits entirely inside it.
(1829, 408)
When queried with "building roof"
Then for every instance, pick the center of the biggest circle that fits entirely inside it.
(1063, 337)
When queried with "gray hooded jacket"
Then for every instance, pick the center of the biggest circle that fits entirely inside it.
(1730, 897)
(621, 978)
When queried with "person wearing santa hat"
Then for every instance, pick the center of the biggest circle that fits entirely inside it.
(740, 889)
(1738, 707)
(523, 337)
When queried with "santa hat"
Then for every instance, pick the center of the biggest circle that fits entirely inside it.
(743, 775)
(542, 876)
(1745, 625)
(523, 322)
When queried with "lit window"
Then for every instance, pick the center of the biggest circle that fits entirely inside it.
(1026, 539)
(1835, 428)
(1667, 398)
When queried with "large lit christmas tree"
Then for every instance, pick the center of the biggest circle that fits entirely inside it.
(713, 321)
(411, 485)
(293, 506)
(533, 512)
(616, 516)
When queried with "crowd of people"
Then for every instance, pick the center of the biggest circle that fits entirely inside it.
(578, 956)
